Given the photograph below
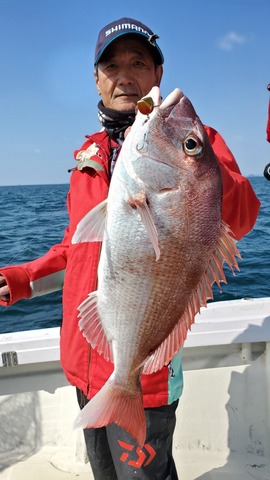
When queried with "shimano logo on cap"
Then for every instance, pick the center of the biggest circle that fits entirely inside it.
(125, 26)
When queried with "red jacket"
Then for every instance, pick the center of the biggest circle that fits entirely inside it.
(74, 267)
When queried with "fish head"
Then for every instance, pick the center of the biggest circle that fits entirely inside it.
(170, 134)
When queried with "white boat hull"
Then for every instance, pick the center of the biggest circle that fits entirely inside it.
(223, 418)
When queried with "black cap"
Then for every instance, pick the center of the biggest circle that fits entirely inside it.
(125, 26)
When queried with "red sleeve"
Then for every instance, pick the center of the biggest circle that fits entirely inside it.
(19, 277)
(240, 206)
(268, 124)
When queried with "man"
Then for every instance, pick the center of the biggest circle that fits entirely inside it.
(128, 63)
(267, 167)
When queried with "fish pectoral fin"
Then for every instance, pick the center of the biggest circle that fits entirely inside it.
(91, 327)
(140, 203)
(225, 251)
(115, 404)
(91, 228)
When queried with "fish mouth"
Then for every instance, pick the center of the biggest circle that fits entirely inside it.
(177, 106)
(166, 105)
(172, 99)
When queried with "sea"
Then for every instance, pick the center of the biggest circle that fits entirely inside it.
(34, 217)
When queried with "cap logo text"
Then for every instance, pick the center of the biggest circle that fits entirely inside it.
(125, 26)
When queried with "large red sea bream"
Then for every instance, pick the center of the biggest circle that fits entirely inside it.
(164, 245)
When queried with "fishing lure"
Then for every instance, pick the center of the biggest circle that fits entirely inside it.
(145, 105)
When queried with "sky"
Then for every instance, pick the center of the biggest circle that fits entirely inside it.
(216, 51)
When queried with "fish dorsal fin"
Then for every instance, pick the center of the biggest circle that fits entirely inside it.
(91, 327)
(226, 250)
(91, 228)
(140, 203)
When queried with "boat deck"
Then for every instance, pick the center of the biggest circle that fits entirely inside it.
(190, 466)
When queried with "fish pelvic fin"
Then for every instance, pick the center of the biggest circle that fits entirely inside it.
(114, 404)
(225, 251)
(91, 227)
(91, 327)
(140, 203)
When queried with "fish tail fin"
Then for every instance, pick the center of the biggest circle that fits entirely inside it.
(114, 404)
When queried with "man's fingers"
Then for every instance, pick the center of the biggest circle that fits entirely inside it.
(127, 131)
(4, 290)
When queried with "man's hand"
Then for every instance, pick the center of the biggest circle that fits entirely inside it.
(127, 131)
(4, 289)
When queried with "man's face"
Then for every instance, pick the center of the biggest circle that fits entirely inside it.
(126, 73)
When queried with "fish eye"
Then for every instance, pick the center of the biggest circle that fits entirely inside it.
(192, 146)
